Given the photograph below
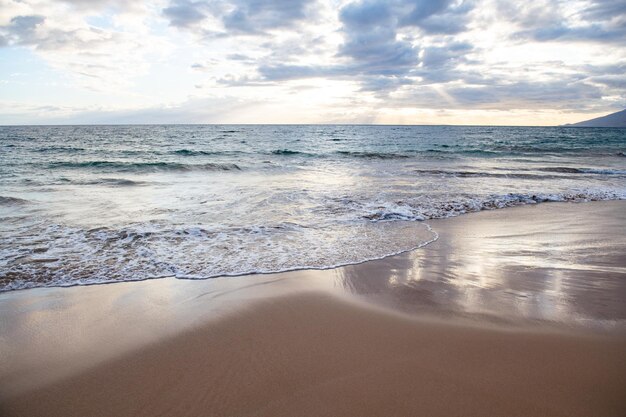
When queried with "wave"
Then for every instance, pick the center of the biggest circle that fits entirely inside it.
(189, 152)
(570, 170)
(12, 201)
(200, 252)
(288, 152)
(566, 170)
(145, 166)
(475, 152)
(64, 149)
(400, 210)
(194, 252)
(372, 155)
(120, 182)
(477, 174)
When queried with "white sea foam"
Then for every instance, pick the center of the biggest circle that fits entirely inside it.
(125, 203)
(144, 251)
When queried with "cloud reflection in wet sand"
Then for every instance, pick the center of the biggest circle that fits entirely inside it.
(556, 262)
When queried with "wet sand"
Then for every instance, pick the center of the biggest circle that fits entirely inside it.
(528, 322)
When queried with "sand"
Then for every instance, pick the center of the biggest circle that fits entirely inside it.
(314, 355)
(328, 343)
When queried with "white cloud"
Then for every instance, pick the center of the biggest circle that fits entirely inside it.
(320, 60)
(101, 58)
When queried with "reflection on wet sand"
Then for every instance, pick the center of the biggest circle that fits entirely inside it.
(562, 263)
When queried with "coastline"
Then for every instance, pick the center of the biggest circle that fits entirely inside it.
(511, 312)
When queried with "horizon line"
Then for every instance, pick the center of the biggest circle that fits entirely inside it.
(286, 124)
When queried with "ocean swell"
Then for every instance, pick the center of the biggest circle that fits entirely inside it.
(12, 201)
(372, 155)
(144, 166)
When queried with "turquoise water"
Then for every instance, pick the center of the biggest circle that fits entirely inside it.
(84, 204)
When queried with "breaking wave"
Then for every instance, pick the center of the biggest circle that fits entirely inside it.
(144, 166)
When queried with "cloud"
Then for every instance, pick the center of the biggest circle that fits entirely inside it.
(254, 16)
(438, 16)
(33, 30)
(615, 83)
(606, 10)
(292, 72)
(195, 110)
(379, 38)
(597, 21)
(371, 40)
(22, 29)
(437, 57)
(378, 51)
(565, 93)
(457, 54)
(99, 58)
(102, 4)
(238, 17)
(441, 63)
(184, 13)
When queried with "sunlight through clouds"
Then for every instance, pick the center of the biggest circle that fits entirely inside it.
(323, 61)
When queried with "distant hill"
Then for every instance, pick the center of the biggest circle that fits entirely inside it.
(612, 120)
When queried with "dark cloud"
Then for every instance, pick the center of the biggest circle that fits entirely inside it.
(410, 47)
(527, 94)
(383, 85)
(611, 77)
(366, 14)
(600, 21)
(283, 72)
(566, 93)
(430, 16)
(613, 69)
(376, 49)
(378, 52)
(590, 33)
(379, 83)
(437, 57)
(239, 16)
(371, 41)
(612, 82)
(254, 16)
(438, 16)
(440, 63)
(606, 10)
(185, 13)
(21, 30)
(239, 57)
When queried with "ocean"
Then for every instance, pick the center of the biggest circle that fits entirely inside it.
(93, 204)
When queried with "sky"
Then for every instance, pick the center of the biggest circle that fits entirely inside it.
(501, 62)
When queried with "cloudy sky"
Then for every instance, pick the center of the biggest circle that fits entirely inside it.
(532, 62)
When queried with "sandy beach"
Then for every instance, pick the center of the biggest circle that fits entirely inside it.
(517, 312)
(355, 208)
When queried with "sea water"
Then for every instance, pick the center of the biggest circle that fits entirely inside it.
(88, 204)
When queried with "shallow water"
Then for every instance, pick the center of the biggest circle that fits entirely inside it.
(82, 204)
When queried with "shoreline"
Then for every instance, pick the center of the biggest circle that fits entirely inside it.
(426, 222)
(544, 286)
